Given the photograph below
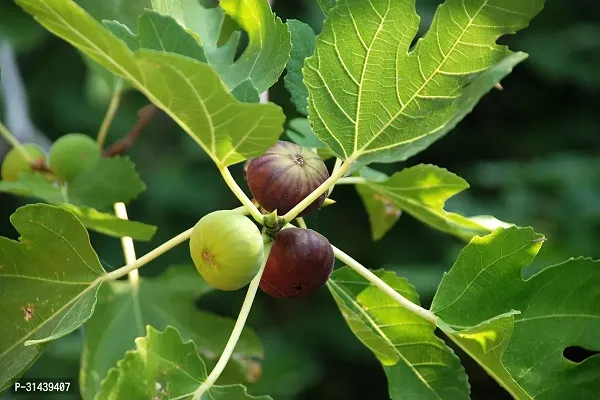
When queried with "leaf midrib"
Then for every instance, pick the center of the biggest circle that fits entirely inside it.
(427, 81)
(94, 284)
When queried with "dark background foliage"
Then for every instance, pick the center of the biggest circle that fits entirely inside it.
(530, 153)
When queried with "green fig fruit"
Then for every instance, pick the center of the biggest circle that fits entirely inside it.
(72, 154)
(227, 249)
(15, 162)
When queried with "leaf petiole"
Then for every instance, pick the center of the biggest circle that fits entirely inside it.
(384, 287)
(239, 193)
(352, 180)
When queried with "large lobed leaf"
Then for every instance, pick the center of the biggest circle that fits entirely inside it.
(268, 50)
(163, 366)
(189, 91)
(421, 191)
(373, 97)
(124, 310)
(418, 364)
(556, 308)
(48, 284)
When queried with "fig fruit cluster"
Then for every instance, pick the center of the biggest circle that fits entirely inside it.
(283, 176)
(69, 157)
(228, 250)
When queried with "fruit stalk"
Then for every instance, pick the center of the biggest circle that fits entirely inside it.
(235, 334)
(5, 133)
(239, 193)
(325, 186)
(110, 114)
(384, 287)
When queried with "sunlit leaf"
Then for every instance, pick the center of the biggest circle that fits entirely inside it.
(189, 91)
(372, 98)
(48, 284)
(422, 191)
(556, 308)
(326, 5)
(418, 364)
(303, 45)
(163, 366)
(122, 313)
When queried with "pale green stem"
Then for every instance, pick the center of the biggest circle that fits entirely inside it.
(5, 133)
(239, 193)
(301, 222)
(235, 334)
(352, 180)
(110, 114)
(384, 287)
(140, 262)
(133, 276)
(308, 200)
(336, 166)
(127, 244)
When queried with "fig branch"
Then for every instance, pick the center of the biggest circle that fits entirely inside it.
(235, 334)
(145, 115)
(384, 287)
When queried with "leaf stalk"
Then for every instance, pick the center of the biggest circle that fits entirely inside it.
(384, 287)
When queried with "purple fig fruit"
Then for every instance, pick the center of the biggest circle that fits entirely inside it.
(300, 262)
(283, 176)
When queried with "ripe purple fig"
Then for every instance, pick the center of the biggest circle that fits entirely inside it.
(284, 176)
(300, 262)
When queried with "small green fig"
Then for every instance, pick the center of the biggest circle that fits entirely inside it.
(283, 176)
(227, 249)
(73, 154)
(15, 163)
(300, 262)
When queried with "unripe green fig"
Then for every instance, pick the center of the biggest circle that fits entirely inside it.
(283, 176)
(300, 262)
(72, 154)
(227, 249)
(15, 162)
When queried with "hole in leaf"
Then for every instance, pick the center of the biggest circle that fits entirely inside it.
(578, 354)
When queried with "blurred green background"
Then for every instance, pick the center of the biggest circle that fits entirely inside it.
(530, 152)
